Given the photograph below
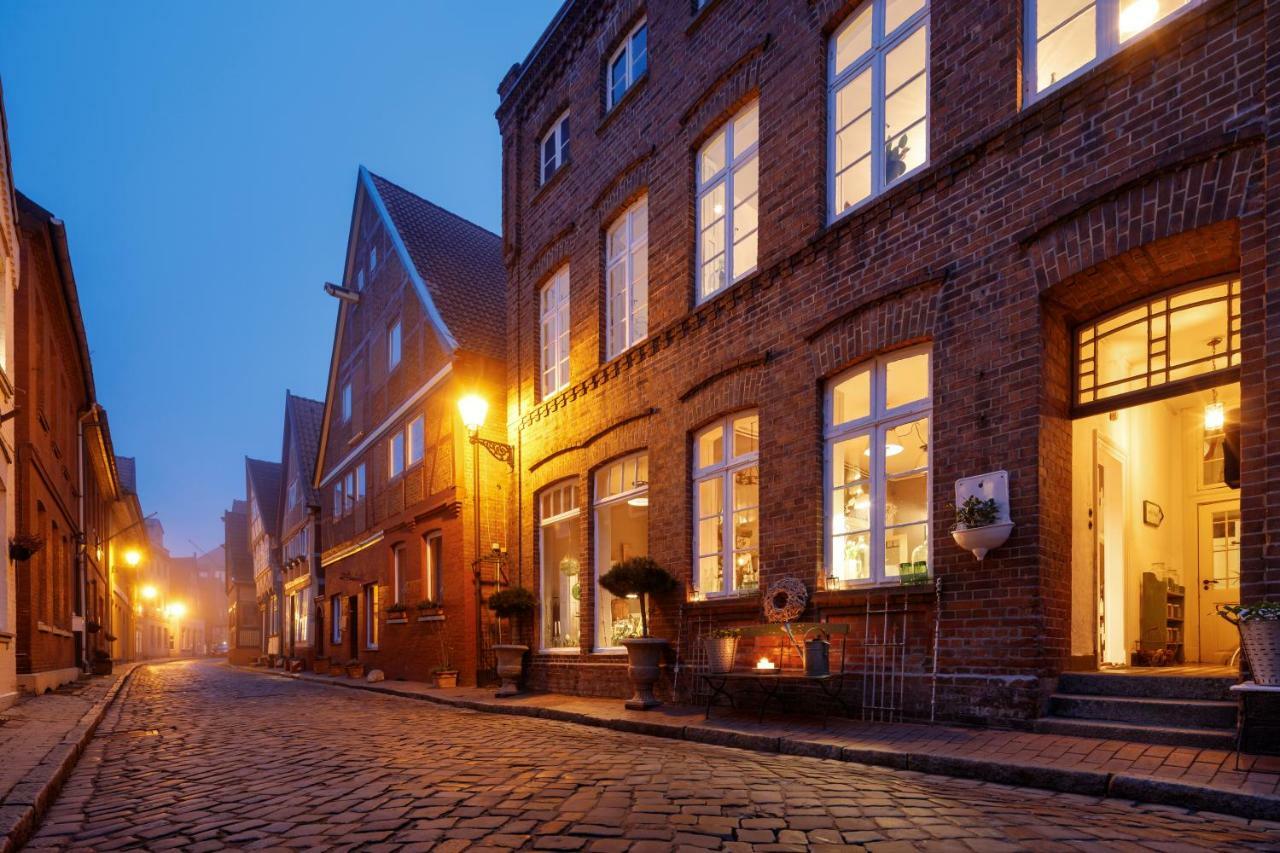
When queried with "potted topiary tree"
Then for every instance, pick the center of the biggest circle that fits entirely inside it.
(641, 577)
(511, 603)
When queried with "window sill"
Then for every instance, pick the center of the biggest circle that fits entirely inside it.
(904, 178)
(627, 96)
(543, 188)
(433, 617)
(879, 586)
(397, 620)
(561, 651)
(609, 652)
(744, 279)
(699, 16)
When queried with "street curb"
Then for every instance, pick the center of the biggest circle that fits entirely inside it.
(1094, 783)
(24, 806)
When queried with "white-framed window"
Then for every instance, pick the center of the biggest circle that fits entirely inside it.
(414, 440)
(373, 258)
(1066, 37)
(371, 608)
(337, 499)
(878, 72)
(432, 563)
(728, 183)
(293, 494)
(349, 492)
(395, 448)
(627, 279)
(877, 427)
(360, 482)
(346, 402)
(335, 619)
(621, 511)
(628, 63)
(553, 152)
(726, 501)
(393, 345)
(560, 549)
(360, 279)
(554, 310)
(398, 574)
(300, 603)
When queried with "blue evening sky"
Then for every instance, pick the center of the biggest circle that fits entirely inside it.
(204, 156)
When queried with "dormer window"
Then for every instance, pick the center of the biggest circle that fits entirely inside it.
(628, 63)
(554, 150)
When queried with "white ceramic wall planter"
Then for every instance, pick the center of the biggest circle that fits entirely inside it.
(980, 540)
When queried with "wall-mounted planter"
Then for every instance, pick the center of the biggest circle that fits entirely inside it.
(980, 540)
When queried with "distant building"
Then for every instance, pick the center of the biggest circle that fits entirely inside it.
(244, 628)
(407, 559)
(262, 489)
(299, 514)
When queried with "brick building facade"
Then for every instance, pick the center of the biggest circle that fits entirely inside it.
(244, 630)
(299, 514)
(9, 274)
(418, 326)
(262, 493)
(721, 285)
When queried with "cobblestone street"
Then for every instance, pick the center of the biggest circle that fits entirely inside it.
(203, 757)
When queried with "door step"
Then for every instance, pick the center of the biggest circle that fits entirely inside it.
(1165, 735)
(1214, 688)
(1179, 713)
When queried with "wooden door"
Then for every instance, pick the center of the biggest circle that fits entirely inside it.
(1218, 581)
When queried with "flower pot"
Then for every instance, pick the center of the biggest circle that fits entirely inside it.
(320, 666)
(1261, 641)
(510, 667)
(645, 656)
(980, 540)
(102, 667)
(355, 670)
(447, 678)
(721, 652)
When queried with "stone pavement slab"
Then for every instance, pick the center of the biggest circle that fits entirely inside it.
(1205, 779)
(41, 738)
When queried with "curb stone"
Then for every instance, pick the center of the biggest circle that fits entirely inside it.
(1091, 783)
(23, 807)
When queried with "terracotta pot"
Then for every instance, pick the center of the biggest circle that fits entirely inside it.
(102, 667)
(320, 666)
(447, 679)
(645, 656)
(510, 668)
(355, 670)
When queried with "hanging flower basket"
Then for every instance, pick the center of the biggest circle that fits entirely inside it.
(24, 546)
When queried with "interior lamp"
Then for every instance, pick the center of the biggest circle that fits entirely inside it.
(1137, 15)
(1215, 416)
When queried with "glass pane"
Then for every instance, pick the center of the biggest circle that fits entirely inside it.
(746, 489)
(905, 61)
(1192, 331)
(851, 460)
(851, 398)
(854, 38)
(853, 99)
(744, 255)
(897, 11)
(710, 502)
(618, 240)
(853, 185)
(710, 536)
(1137, 15)
(906, 380)
(746, 181)
(711, 447)
(1066, 49)
(746, 435)
(904, 548)
(561, 584)
(906, 447)
(711, 574)
(854, 142)
(622, 531)
(639, 52)
(640, 221)
(618, 78)
(851, 510)
(712, 276)
(746, 130)
(710, 209)
(851, 557)
(1122, 354)
(712, 158)
(906, 499)
(746, 570)
(1051, 13)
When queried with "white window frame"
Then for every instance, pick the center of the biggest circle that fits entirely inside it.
(724, 470)
(346, 402)
(349, 492)
(397, 573)
(706, 184)
(335, 619)
(626, 220)
(629, 67)
(361, 482)
(877, 426)
(371, 608)
(394, 342)
(1107, 42)
(337, 499)
(567, 487)
(360, 279)
(414, 441)
(637, 490)
(882, 44)
(559, 135)
(395, 454)
(432, 590)
(553, 301)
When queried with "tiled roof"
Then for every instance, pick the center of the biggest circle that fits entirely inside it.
(127, 468)
(306, 416)
(461, 264)
(265, 477)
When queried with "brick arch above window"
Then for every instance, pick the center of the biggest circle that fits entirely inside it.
(724, 391)
(729, 92)
(908, 315)
(1187, 190)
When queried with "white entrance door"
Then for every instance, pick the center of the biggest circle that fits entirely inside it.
(1109, 558)
(1218, 561)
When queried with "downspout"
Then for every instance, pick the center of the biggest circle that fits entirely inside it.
(81, 544)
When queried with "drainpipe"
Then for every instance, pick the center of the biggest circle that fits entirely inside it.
(82, 584)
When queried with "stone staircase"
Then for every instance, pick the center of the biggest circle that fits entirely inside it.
(1192, 711)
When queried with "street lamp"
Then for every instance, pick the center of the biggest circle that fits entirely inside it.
(148, 592)
(132, 557)
(175, 610)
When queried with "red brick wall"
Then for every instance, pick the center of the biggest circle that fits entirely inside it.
(1152, 162)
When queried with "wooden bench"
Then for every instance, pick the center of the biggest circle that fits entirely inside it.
(773, 642)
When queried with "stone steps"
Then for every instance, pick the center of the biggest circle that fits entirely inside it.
(1212, 688)
(1164, 735)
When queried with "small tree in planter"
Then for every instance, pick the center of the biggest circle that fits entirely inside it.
(1259, 626)
(511, 603)
(641, 577)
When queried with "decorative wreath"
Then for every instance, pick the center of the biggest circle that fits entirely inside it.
(785, 599)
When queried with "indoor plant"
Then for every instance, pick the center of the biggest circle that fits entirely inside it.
(722, 648)
(511, 603)
(641, 577)
(978, 527)
(1259, 626)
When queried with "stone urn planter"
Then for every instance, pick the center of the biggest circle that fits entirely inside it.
(510, 667)
(644, 654)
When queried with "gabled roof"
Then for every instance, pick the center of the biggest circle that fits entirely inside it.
(264, 477)
(303, 418)
(457, 262)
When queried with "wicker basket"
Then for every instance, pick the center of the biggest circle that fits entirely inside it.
(1261, 641)
(721, 652)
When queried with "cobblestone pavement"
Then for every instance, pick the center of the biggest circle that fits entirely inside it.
(202, 757)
